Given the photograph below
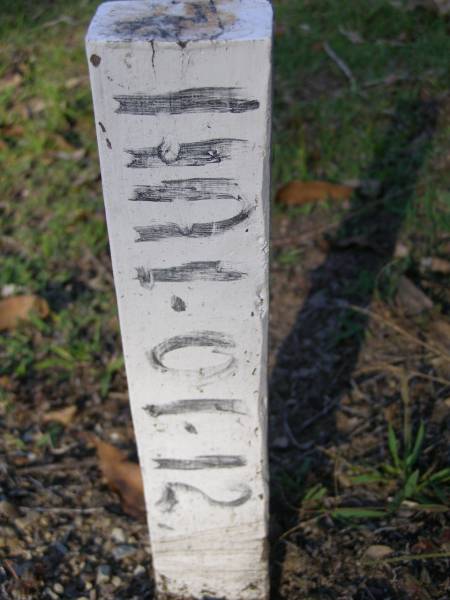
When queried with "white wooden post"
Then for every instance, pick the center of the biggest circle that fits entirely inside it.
(182, 106)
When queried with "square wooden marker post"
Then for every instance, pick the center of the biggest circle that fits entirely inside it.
(182, 100)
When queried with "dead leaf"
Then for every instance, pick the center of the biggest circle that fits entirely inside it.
(411, 298)
(31, 108)
(63, 415)
(436, 265)
(377, 552)
(344, 423)
(11, 80)
(123, 477)
(19, 308)
(297, 193)
(74, 82)
(13, 131)
(441, 410)
(440, 332)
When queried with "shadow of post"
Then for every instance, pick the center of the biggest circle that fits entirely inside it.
(315, 362)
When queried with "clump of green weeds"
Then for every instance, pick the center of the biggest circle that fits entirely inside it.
(416, 485)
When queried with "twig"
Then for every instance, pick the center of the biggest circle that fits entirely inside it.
(325, 410)
(411, 374)
(409, 557)
(65, 511)
(340, 63)
(55, 466)
(396, 328)
(10, 568)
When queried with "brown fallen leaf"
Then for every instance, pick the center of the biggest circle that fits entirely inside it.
(411, 298)
(13, 131)
(441, 410)
(64, 416)
(297, 193)
(439, 331)
(123, 477)
(19, 308)
(11, 80)
(436, 265)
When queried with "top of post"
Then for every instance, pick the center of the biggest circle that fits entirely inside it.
(181, 21)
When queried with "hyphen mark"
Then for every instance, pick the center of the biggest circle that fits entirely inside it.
(154, 233)
(169, 499)
(190, 190)
(203, 339)
(201, 462)
(177, 304)
(201, 405)
(204, 270)
(194, 154)
(193, 100)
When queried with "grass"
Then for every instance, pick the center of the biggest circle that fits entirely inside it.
(52, 218)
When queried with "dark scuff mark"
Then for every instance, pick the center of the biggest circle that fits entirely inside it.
(205, 405)
(213, 270)
(102, 127)
(194, 154)
(216, 461)
(153, 233)
(198, 339)
(95, 60)
(169, 499)
(108, 143)
(177, 304)
(192, 100)
(145, 277)
(152, 44)
(164, 526)
(190, 428)
(190, 190)
(200, 21)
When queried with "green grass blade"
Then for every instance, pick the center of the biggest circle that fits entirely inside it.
(441, 476)
(412, 458)
(411, 484)
(358, 513)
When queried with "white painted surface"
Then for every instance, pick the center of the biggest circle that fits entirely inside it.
(208, 522)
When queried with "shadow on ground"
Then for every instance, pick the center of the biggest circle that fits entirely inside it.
(316, 361)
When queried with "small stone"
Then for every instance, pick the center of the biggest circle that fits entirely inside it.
(58, 588)
(103, 574)
(8, 510)
(377, 552)
(401, 251)
(123, 551)
(116, 581)
(118, 535)
(139, 570)
(49, 594)
(280, 442)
